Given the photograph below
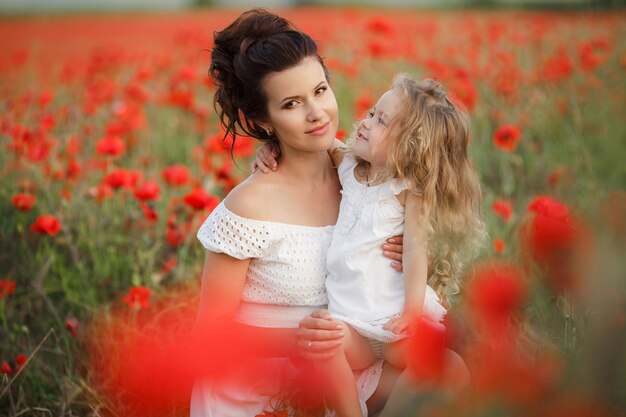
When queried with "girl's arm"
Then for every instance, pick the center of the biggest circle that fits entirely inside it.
(336, 152)
(267, 156)
(414, 264)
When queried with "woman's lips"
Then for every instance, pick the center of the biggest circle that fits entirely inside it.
(319, 131)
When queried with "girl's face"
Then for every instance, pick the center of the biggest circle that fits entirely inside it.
(371, 134)
(302, 109)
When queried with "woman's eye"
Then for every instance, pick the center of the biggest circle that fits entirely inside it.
(320, 90)
(290, 105)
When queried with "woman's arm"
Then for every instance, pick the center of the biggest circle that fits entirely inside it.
(223, 279)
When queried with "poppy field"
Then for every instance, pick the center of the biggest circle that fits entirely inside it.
(111, 156)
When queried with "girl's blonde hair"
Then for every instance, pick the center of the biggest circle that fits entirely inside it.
(428, 151)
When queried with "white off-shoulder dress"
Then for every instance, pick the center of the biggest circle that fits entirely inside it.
(284, 284)
(363, 290)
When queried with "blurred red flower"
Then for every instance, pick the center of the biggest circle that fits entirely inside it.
(244, 147)
(499, 245)
(6, 368)
(122, 178)
(71, 325)
(111, 145)
(46, 224)
(426, 350)
(20, 360)
(148, 212)
(147, 191)
(495, 291)
(363, 103)
(7, 287)
(199, 199)
(506, 137)
(23, 202)
(174, 236)
(551, 239)
(176, 175)
(503, 209)
(138, 297)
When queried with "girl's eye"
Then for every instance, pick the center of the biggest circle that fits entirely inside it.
(370, 114)
(381, 121)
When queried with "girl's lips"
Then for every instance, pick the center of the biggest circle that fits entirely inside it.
(319, 131)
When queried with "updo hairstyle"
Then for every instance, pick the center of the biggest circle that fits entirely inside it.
(256, 44)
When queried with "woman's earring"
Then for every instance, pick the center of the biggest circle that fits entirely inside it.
(269, 132)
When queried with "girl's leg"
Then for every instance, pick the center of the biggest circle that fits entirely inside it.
(341, 384)
(395, 353)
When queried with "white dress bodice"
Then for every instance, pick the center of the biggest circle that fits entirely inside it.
(362, 288)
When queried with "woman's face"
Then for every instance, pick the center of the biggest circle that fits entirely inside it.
(302, 109)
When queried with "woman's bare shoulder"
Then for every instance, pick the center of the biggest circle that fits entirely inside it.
(253, 197)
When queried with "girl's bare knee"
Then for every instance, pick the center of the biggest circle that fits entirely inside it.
(456, 375)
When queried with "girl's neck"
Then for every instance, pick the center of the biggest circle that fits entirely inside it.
(371, 174)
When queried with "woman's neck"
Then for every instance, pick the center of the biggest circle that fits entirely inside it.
(304, 166)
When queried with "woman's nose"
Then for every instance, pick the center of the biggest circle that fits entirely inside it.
(315, 112)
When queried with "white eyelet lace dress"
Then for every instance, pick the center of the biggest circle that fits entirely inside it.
(363, 290)
(284, 284)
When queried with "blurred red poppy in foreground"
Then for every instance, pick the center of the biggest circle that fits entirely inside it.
(46, 224)
(426, 351)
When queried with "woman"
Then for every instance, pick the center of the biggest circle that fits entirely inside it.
(267, 241)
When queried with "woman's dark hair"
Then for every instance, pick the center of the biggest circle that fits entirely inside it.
(253, 46)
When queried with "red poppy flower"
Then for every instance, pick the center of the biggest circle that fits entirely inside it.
(46, 224)
(499, 245)
(176, 175)
(503, 209)
(23, 202)
(6, 368)
(427, 345)
(507, 137)
(71, 325)
(122, 178)
(243, 148)
(148, 212)
(7, 287)
(20, 360)
(363, 104)
(111, 145)
(149, 190)
(199, 199)
(174, 236)
(138, 297)
(495, 291)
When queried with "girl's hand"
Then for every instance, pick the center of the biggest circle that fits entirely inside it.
(392, 249)
(399, 325)
(266, 156)
(319, 336)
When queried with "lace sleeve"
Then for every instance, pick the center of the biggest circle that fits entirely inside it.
(241, 238)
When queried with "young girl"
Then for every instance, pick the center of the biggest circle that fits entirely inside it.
(406, 170)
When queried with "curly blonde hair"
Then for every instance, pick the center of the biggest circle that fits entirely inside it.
(428, 142)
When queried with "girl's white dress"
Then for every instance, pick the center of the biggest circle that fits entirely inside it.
(284, 284)
(363, 290)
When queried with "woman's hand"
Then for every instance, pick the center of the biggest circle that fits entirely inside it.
(319, 336)
(266, 158)
(392, 249)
